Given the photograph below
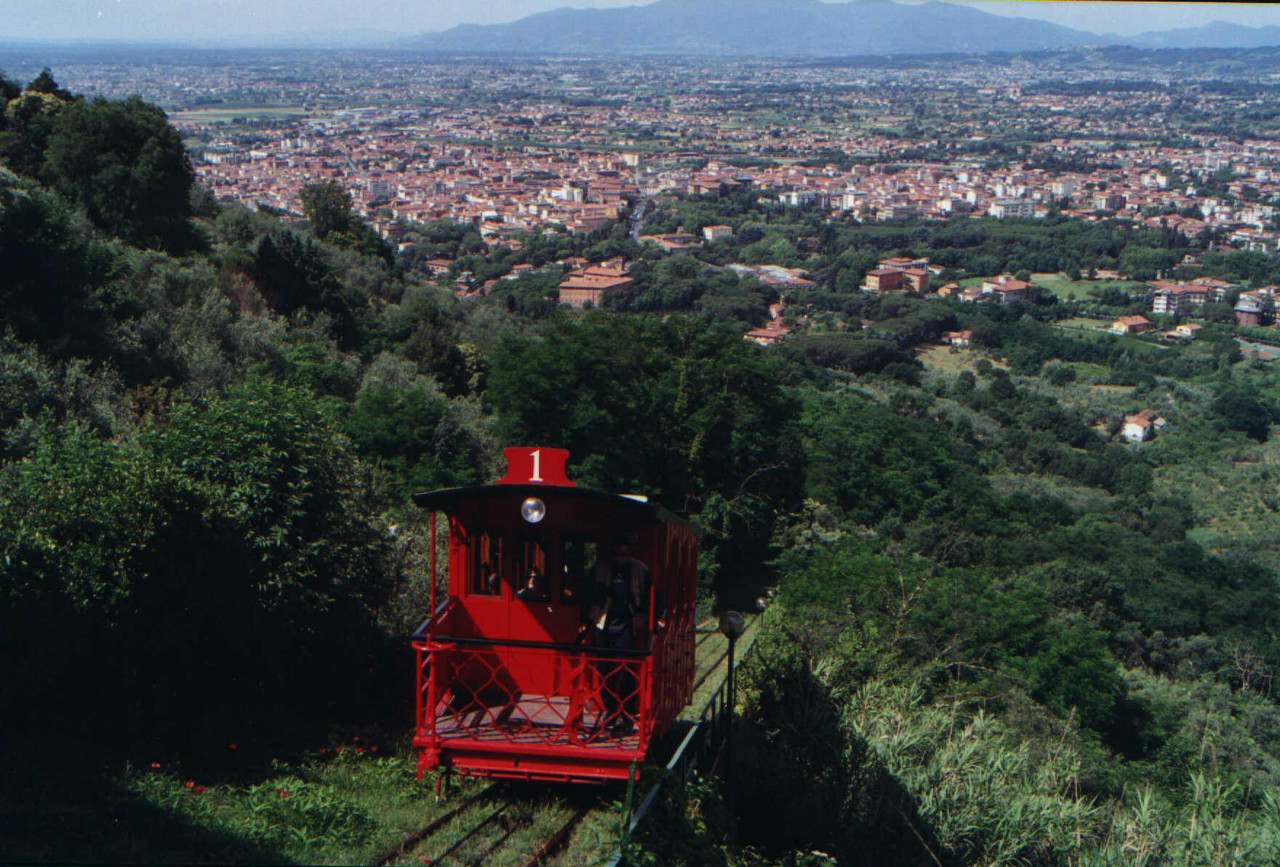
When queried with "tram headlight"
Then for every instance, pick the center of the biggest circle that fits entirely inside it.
(533, 510)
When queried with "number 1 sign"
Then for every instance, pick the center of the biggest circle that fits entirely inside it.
(538, 465)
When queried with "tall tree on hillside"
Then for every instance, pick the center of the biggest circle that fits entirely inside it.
(124, 164)
(28, 118)
(331, 213)
(9, 89)
(44, 83)
(680, 407)
(328, 208)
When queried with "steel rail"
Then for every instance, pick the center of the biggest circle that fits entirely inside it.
(435, 825)
(467, 836)
(511, 827)
(557, 840)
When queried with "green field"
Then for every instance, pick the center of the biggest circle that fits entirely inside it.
(1075, 290)
(1096, 329)
(226, 114)
(951, 360)
(1083, 323)
(1233, 499)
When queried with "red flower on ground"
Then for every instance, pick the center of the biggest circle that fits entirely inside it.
(199, 790)
(337, 749)
(373, 749)
(323, 750)
(155, 765)
(284, 793)
(191, 784)
(359, 749)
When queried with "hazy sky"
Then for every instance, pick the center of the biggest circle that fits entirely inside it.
(206, 20)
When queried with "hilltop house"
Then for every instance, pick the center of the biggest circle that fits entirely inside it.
(1185, 331)
(1008, 289)
(1130, 325)
(1141, 426)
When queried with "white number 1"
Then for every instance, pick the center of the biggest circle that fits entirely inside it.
(537, 466)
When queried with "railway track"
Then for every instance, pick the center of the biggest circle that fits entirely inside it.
(707, 670)
(501, 825)
(405, 846)
(493, 826)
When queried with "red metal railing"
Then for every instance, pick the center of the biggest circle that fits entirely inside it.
(529, 694)
(511, 698)
(528, 697)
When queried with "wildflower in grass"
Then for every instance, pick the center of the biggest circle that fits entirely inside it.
(191, 784)
(199, 790)
(359, 749)
(284, 793)
(323, 750)
(373, 749)
(155, 766)
(338, 750)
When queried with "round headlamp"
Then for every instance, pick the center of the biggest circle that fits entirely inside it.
(533, 510)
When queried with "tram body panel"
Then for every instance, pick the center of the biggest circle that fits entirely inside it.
(511, 685)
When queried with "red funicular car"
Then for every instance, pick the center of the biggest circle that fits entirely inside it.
(566, 642)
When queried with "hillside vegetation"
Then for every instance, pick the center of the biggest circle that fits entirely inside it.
(1001, 633)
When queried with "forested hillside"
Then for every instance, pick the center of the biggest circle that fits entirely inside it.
(1001, 632)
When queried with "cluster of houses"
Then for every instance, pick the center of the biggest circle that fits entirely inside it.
(406, 174)
(775, 332)
(1139, 324)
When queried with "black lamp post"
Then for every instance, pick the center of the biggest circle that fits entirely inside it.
(732, 624)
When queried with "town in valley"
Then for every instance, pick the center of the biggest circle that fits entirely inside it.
(907, 371)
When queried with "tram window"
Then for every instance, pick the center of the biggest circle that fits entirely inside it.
(486, 564)
(533, 584)
(578, 564)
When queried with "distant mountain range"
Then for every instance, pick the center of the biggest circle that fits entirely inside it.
(801, 28)
(1218, 34)
(717, 28)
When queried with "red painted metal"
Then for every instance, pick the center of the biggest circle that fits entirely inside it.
(510, 685)
(536, 465)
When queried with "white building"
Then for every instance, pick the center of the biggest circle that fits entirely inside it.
(1013, 208)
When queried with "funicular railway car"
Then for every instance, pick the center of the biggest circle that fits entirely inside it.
(566, 642)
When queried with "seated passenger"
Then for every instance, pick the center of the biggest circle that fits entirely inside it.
(534, 588)
(491, 583)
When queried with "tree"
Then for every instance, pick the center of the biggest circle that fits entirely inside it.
(9, 89)
(328, 207)
(331, 213)
(292, 273)
(1002, 387)
(44, 83)
(52, 266)
(678, 407)
(1060, 374)
(124, 164)
(207, 564)
(24, 130)
(1245, 409)
(1144, 263)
